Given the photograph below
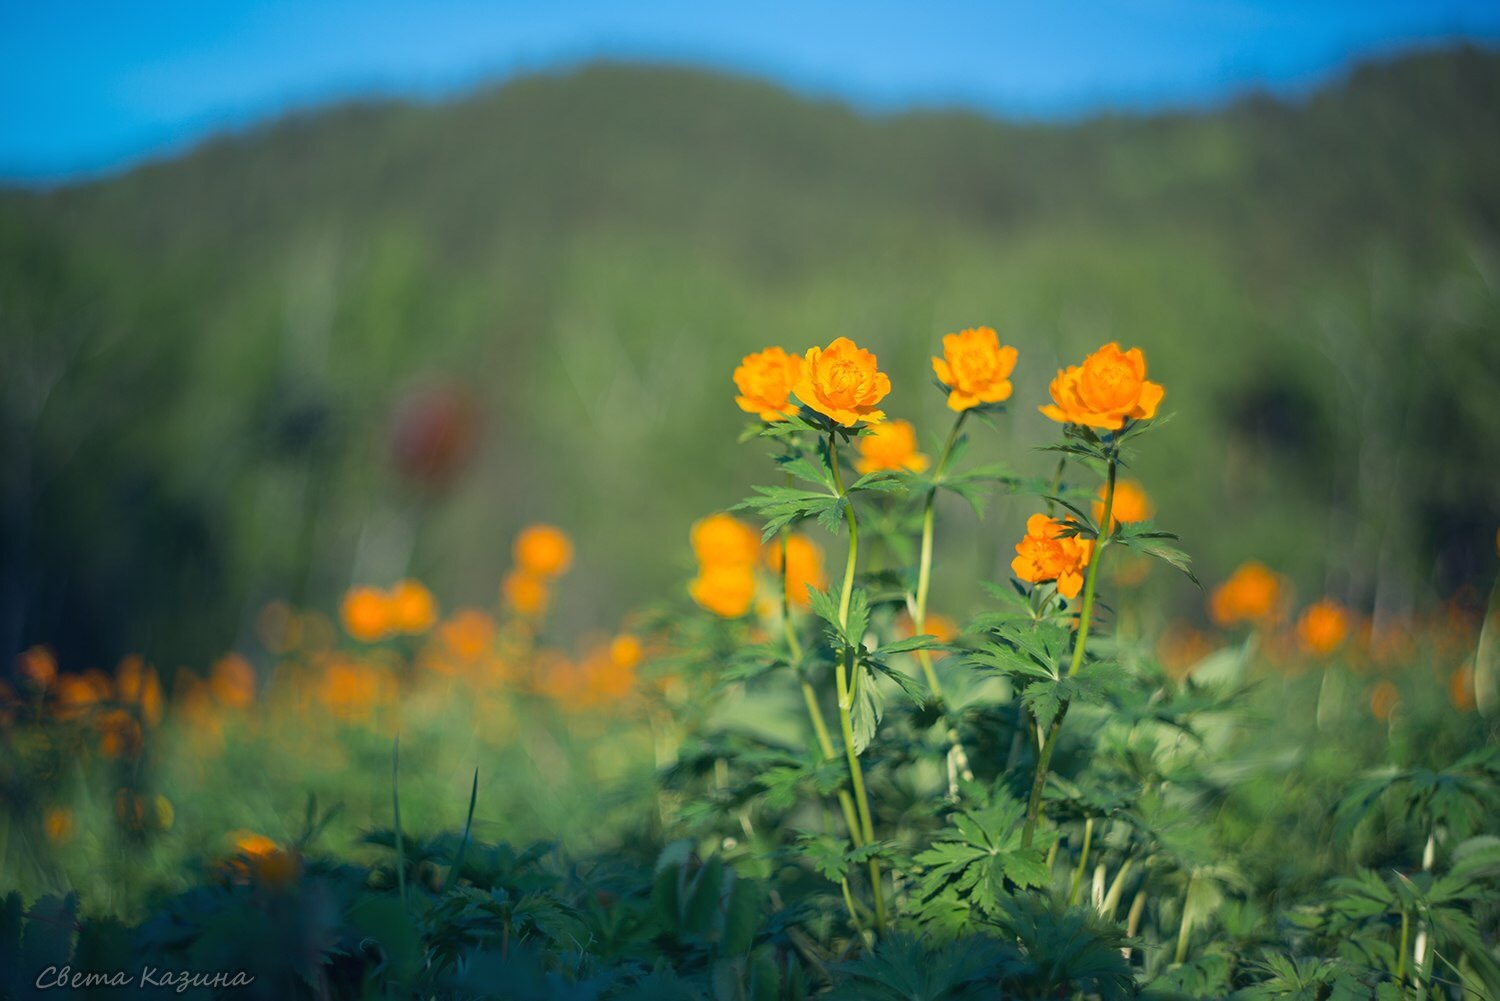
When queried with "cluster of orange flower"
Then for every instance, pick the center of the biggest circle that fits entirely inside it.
(729, 552)
(1257, 596)
(371, 614)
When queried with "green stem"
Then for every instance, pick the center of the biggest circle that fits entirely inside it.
(1116, 889)
(846, 693)
(814, 711)
(1083, 859)
(924, 566)
(1085, 617)
(1401, 950)
(1185, 928)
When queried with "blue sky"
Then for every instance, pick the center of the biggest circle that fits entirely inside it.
(94, 86)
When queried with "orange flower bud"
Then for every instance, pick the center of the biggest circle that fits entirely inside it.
(1044, 555)
(722, 539)
(526, 593)
(975, 367)
(1251, 594)
(765, 381)
(843, 383)
(1322, 628)
(726, 589)
(543, 551)
(412, 607)
(804, 566)
(890, 445)
(1130, 505)
(366, 614)
(1109, 388)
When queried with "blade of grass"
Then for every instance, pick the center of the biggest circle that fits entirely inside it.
(396, 804)
(463, 844)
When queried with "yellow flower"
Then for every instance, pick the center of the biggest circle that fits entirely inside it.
(975, 368)
(1323, 627)
(1251, 594)
(412, 607)
(1131, 505)
(722, 539)
(891, 445)
(804, 566)
(366, 614)
(544, 551)
(1044, 554)
(843, 383)
(765, 380)
(726, 589)
(1109, 388)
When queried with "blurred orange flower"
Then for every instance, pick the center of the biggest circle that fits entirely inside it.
(726, 589)
(1251, 594)
(804, 566)
(526, 593)
(366, 614)
(1323, 627)
(57, 822)
(469, 634)
(262, 860)
(843, 383)
(232, 681)
(411, 607)
(119, 735)
(1043, 554)
(723, 540)
(765, 380)
(543, 550)
(1131, 504)
(975, 367)
(1109, 388)
(890, 445)
(1461, 688)
(38, 666)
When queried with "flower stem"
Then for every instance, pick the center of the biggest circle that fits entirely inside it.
(1083, 858)
(924, 566)
(845, 664)
(1086, 614)
(1085, 617)
(814, 711)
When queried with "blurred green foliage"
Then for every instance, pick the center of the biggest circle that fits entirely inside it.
(206, 359)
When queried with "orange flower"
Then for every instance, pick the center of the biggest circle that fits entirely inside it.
(765, 380)
(411, 607)
(804, 566)
(38, 666)
(366, 614)
(58, 824)
(726, 589)
(469, 634)
(1108, 389)
(1251, 594)
(232, 681)
(723, 540)
(891, 445)
(1384, 698)
(263, 860)
(842, 383)
(351, 690)
(119, 734)
(1323, 627)
(543, 551)
(1461, 688)
(1043, 555)
(975, 367)
(1131, 504)
(526, 593)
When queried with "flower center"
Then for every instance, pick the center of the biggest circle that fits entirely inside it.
(1111, 384)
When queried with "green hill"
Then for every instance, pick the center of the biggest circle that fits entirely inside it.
(204, 357)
